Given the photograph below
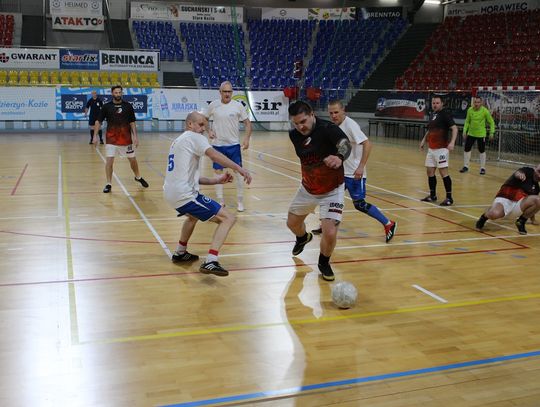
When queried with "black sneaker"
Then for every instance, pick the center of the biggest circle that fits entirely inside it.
(213, 267)
(429, 198)
(299, 246)
(482, 171)
(184, 257)
(101, 142)
(390, 230)
(142, 182)
(464, 169)
(521, 227)
(107, 189)
(481, 222)
(326, 272)
(447, 202)
(317, 231)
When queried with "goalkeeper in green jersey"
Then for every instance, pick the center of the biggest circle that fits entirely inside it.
(478, 117)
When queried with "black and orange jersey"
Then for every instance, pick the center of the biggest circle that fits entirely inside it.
(317, 178)
(516, 189)
(438, 128)
(118, 116)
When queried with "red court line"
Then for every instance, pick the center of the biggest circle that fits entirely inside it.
(19, 180)
(98, 279)
(91, 239)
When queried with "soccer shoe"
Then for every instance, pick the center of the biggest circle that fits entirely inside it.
(213, 267)
(142, 182)
(429, 198)
(107, 189)
(521, 227)
(480, 223)
(299, 246)
(390, 230)
(317, 231)
(447, 202)
(326, 272)
(240, 207)
(482, 171)
(183, 257)
(464, 169)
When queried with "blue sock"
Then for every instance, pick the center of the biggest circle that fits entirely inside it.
(375, 213)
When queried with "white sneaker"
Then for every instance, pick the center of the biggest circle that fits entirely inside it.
(240, 207)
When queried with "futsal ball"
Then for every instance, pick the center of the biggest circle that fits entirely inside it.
(344, 294)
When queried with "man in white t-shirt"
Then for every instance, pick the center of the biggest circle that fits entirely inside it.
(355, 167)
(226, 113)
(181, 191)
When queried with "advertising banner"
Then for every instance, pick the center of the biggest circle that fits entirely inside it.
(175, 104)
(60, 22)
(490, 7)
(129, 60)
(79, 59)
(284, 13)
(403, 105)
(87, 8)
(456, 102)
(379, 12)
(70, 102)
(182, 12)
(514, 109)
(27, 103)
(25, 58)
(345, 13)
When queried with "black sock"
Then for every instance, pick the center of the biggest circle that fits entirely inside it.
(323, 259)
(300, 239)
(91, 135)
(448, 186)
(432, 181)
(100, 135)
(522, 219)
(483, 218)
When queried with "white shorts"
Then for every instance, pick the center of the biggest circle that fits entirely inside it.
(124, 151)
(330, 204)
(510, 207)
(437, 158)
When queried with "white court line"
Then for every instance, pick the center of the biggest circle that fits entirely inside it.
(14, 248)
(393, 193)
(141, 213)
(441, 299)
(60, 197)
(29, 217)
(256, 197)
(355, 247)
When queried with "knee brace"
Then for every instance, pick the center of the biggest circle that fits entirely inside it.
(362, 205)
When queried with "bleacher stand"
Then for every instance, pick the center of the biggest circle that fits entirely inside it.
(479, 50)
(158, 35)
(275, 46)
(217, 52)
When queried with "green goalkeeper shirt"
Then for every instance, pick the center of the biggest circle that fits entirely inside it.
(475, 122)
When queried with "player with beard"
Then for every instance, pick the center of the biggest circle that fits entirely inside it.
(121, 136)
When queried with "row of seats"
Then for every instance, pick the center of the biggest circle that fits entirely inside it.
(7, 28)
(160, 36)
(78, 78)
(506, 52)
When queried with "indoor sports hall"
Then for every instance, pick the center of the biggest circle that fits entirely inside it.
(95, 313)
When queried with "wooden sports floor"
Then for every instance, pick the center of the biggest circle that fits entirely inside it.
(93, 312)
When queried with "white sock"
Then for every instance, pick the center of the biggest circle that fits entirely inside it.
(482, 160)
(466, 159)
(181, 248)
(219, 192)
(239, 187)
(211, 257)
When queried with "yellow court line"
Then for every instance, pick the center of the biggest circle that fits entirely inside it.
(74, 324)
(249, 327)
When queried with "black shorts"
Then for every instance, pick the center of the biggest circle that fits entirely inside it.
(92, 121)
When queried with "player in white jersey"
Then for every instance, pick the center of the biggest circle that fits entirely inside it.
(226, 113)
(355, 167)
(181, 191)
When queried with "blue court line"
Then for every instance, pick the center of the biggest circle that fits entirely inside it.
(366, 379)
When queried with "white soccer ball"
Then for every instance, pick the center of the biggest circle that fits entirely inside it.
(344, 294)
